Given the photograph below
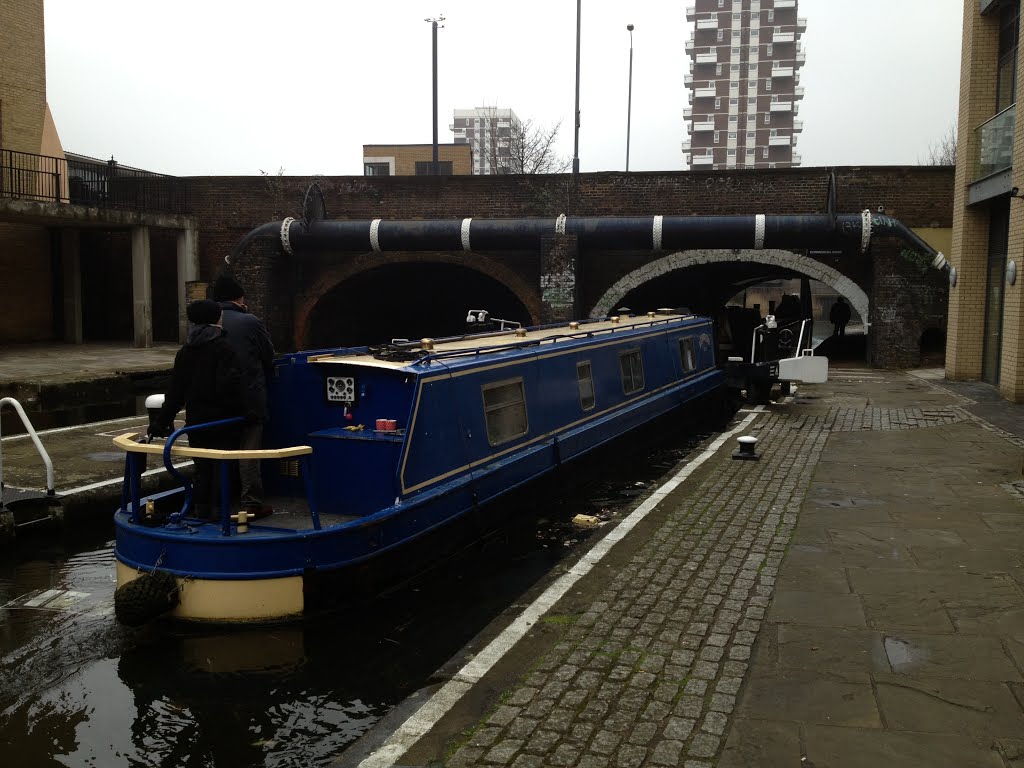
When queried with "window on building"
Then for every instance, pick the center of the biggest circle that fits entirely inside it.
(750, 135)
(716, 136)
(721, 3)
(687, 355)
(735, 33)
(774, 132)
(752, 100)
(505, 410)
(764, 153)
(771, 15)
(730, 152)
(734, 68)
(732, 134)
(376, 169)
(632, 370)
(734, 83)
(718, 103)
(718, 69)
(425, 168)
(734, 102)
(735, 51)
(735, 17)
(585, 378)
(767, 117)
(750, 150)
(768, 49)
(1006, 76)
(721, 35)
(752, 85)
(734, 118)
(767, 83)
(754, 33)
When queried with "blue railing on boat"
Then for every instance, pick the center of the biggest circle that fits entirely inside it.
(135, 452)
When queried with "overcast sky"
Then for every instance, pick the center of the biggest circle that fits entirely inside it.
(224, 87)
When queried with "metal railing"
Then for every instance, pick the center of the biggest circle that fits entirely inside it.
(87, 181)
(35, 441)
(995, 144)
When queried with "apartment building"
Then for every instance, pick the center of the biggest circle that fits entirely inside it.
(744, 84)
(985, 337)
(491, 132)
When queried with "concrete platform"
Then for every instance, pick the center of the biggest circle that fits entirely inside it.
(855, 598)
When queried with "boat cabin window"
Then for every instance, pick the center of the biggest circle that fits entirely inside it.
(586, 382)
(687, 355)
(505, 411)
(632, 368)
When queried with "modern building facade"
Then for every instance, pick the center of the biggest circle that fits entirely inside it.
(416, 160)
(490, 132)
(985, 338)
(744, 84)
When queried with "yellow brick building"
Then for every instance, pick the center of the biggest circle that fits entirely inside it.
(986, 313)
(415, 159)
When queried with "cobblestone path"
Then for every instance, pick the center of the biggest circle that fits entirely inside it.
(649, 673)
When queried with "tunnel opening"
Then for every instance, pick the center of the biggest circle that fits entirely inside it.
(933, 347)
(407, 301)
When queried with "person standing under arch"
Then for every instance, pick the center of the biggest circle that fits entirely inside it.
(839, 316)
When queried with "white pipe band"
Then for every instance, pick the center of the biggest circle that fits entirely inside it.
(374, 237)
(465, 234)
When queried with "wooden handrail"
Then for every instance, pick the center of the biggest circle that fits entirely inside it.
(125, 443)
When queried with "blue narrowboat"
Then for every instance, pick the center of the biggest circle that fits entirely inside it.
(370, 449)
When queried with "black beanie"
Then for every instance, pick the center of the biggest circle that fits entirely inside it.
(225, 288)
(204, 312)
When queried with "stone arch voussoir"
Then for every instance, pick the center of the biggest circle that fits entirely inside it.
(814, 269)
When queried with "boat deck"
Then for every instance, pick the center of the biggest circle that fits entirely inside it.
(292, 514)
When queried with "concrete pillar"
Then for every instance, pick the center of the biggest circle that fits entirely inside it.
(71, 264)
(142, 289)
(188, 271)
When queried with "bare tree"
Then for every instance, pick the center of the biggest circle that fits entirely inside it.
(943, 151)
(523, 147)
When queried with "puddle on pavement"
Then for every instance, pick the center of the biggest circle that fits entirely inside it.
(902, 654)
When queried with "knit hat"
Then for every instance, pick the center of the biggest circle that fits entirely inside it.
(226, 288)
(204, 312)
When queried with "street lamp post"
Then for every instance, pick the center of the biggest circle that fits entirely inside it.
(435, 166)
(576, 141)
(629, 103)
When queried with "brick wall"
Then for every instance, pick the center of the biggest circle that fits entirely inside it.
(22, 75)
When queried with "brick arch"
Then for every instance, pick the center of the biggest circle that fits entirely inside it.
(329, 278)
(812, 268)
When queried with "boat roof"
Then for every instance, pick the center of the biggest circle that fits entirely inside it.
(417, 356)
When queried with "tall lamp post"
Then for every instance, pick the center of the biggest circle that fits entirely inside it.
(629, 103)
(576, 141)
(435, 166)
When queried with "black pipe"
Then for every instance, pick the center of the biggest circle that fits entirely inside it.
(606, 232)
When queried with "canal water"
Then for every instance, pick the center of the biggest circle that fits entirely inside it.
(77, 689)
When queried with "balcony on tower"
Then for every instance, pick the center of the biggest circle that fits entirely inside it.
(798, 125)
(779, 141)
(691, 12)
(781, 106)
(710, 23)
(706, 92)
(707, 58)
(782, 71)
(801, 56)
(801, 24)
(688, 46)
(687, 80)
(796, 159)
(687, 112)
(785, 4)
(799, 91)
(784, 37)
(702, 160)
(704, 125)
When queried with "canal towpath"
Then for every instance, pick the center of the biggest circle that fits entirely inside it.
(854, 598)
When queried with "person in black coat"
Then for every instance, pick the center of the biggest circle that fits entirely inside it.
(839, 316)
(251, 342)
(207, 381)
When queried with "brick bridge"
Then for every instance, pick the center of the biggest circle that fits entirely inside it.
(333, 298)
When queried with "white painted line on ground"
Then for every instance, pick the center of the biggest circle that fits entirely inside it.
(115, 480)
(42, 599)
(421, 721)
(55, 430)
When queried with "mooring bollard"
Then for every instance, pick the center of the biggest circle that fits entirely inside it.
(746, 450)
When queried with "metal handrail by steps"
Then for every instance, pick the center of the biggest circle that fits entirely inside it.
(35, 440)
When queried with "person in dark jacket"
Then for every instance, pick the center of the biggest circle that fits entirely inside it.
(207, 381)
(251, 342)
(839, 315)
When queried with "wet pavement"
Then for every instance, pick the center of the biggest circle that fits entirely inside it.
(855, 598)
